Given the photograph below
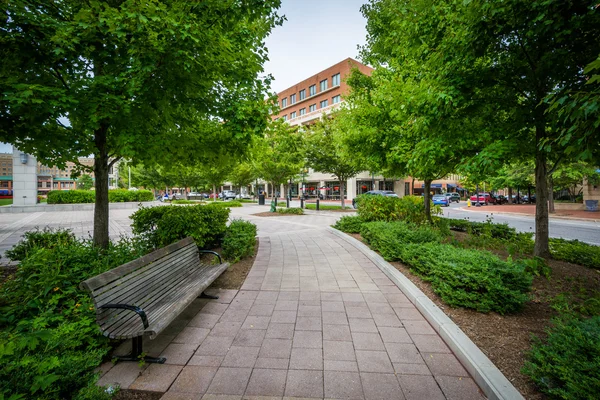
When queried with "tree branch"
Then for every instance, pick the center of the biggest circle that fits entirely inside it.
(551, 171)
(110, 164)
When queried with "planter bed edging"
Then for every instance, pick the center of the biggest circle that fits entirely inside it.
(489, 378)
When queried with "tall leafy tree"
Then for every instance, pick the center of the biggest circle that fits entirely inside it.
(85, 182)
(242, 175)
(325, 151)
(144, 80)
(215, 172)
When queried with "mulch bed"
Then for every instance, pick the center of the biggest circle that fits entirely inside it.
(506, 339)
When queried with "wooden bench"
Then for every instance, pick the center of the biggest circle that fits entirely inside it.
(141, 298)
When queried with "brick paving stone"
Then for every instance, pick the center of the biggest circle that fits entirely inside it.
(362, 325)
(192, 336)
(179, 396)
(242, 357)
(284, 317)
(276, 348)
(156, 378)
(328, 296)
(411, 369)
(343, 385)
(394, 335)
(373, 361)
(230, 381)
(289, 296)
(367, 341)
(337, 332)
(309, 311)
(272, 363)
(381, 386)
(308, 339)
(308, 384)
(335, 318)
(266, 297)
(263, 310)
(256, 322)
(215, 346)
(206, 361)
(406, 353)
(249, 337)
(214, 308)
(233, 315)
(122, 374)
(338, 351)
(457, 388)
(265, 383)
(228, 328)
(210, 396)
(194, 379)
(307, 359)
(387, 320)
(333, 306)
(444, 364)
(310, 296)
(418, 327)
(286, 305)
(353, 297)
(204, 320)
(347, 366)
(430, 344)
(375, 298)
(280, 331)
(419, 387)
(179, 354)
(405, 313)
(308, 324)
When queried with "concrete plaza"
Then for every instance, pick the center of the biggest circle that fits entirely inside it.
(315, 318)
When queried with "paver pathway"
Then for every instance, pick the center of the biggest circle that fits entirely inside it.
(315, 318)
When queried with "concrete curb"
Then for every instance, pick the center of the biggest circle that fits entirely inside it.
(489, 378)
(71, 207)
(533, 215)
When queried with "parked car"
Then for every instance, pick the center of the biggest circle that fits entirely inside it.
(386, 193)
(243, 196)
(227, 195)
(486, 198)
(441, 200)
(177, 196)
(453, 197)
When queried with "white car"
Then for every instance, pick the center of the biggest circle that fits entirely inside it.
(243, 196)
(227, 194)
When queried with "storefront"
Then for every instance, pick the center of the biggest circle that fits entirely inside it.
(363, 187)
(331, 191)
(386, 185)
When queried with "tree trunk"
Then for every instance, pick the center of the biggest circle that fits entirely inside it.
(541, 248)
(412, 187)
(510, 199)
(427, 199)
(101, 174)
(551, 194)
(214, 192)
(342, 200)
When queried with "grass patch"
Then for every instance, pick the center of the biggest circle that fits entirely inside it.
(6, 202)
(324, 207)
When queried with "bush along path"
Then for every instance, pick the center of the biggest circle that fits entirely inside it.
(50, 345)
(488, 268)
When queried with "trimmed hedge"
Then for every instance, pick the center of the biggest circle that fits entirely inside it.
(163, 225)
(291, 210)
(566, 365)
(323, 207)
(89, 196)
(239, 240)
(575, 252)
(225, 204)
(502, 231)
(389, 238)
(381, 208)
(349, 224)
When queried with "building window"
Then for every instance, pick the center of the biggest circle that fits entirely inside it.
(293, 115)
(302, 111)
(302, 94)
(312, 107)
(284, 118)
(335, 80)
(323, 85)
(293, 99)
(284, 103)
(312, 90)
(324, 104)
(335, 99)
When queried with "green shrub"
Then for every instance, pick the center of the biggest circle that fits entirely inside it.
(469, 278)
(478, 228)
(389, 238)
(47, 238)
(567, 364)
(163, 225)
(226, 204)
(71, 196)
(50, 343)
(575, 252)
(239, 240)
(381, 208)
(349, 224)
(187, 202)
(323, 207)
(291, 210)
(89, 196)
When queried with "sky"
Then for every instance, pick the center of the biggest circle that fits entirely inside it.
(316, 35)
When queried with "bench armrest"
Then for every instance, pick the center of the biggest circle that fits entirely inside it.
(135, 309)
(212, 252)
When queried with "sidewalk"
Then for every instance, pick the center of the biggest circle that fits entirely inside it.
(529, 209)
(315, 318)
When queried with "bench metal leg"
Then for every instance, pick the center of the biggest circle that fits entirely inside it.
(136, 352)
(207, 296)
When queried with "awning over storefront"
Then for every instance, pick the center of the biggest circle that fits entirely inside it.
(434, 185)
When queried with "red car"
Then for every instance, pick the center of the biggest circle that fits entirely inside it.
(486, 198)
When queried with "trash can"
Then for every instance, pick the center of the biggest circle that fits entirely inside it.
(591, 205)
(261, 199)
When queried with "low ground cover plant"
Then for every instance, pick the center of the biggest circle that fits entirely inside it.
(163, 225)
(349, 224)
(226, 204)
(239, 240)
(324, 207)
(50, 344)
(389, 238)
(381, 208)
(291, 210)
(502, 231)
(566, 364)
(575, 252)
(89, 196)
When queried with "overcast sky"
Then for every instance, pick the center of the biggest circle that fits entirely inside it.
(316, 35)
